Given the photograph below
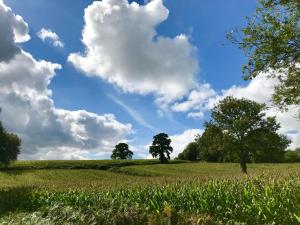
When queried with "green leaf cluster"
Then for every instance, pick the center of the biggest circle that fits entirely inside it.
(9, 146)
(271, 40)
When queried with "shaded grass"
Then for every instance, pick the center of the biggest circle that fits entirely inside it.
(60, 214)
(78, 164)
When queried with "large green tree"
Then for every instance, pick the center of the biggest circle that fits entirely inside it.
(271, 40)
(121, 151)
(215, 145)
(9, 146)
(161, 147)
(245, 125)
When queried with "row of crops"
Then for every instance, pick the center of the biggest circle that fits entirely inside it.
(258, 200)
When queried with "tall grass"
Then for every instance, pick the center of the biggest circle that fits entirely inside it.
(188, 193)
(259, 200)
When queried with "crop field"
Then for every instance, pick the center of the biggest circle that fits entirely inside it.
(145, 192)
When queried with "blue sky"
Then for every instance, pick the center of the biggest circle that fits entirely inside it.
(204, 24)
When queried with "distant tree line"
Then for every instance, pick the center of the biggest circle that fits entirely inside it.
(292, 156)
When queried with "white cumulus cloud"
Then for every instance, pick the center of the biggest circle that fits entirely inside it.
(260, 89)
(28, 109)
(124, 49)
(47, 34)
(197, 99)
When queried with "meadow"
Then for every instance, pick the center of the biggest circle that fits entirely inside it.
(146, 192)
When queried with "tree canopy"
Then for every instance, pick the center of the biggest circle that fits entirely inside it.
(271, 40)
(161, 147)
(121, 151)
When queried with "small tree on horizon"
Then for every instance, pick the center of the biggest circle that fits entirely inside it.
(121, 151)
(161, 147)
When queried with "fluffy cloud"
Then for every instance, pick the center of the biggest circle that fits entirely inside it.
(196, 115)
(180, 141)
(197, 99)
(123, 48)
(47, 34)
(13, 30)
(259, 89)
(204, 98)
(28, 109)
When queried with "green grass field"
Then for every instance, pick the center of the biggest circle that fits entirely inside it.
(145, 192)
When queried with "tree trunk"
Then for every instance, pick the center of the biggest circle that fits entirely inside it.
(243, 166)
(161, 158)
(243, 162)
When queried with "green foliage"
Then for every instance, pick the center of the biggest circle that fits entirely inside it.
(292, 156)
(243, 125)
(161, 147)
(271, 40)
(269, 146)
(122, 151)
(9, 146)
(190, 153)
(212, 145)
